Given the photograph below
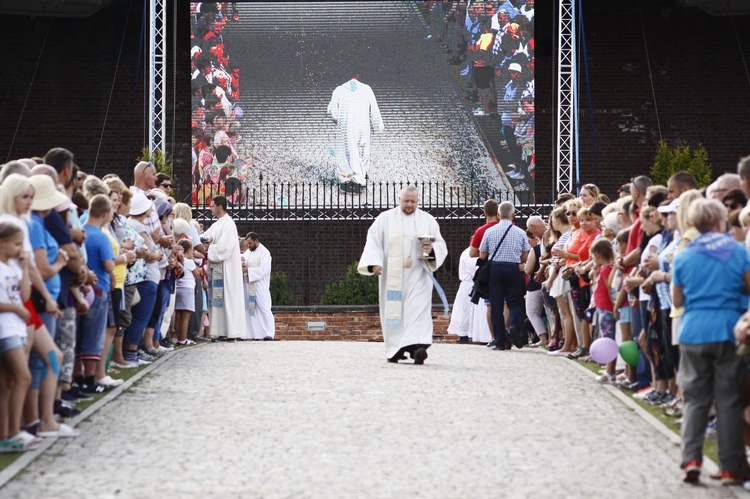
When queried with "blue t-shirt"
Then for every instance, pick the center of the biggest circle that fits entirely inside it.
(58, 229)
(99, 250)
(40, 238)
(713, 294)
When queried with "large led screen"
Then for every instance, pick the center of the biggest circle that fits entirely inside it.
(358, 94)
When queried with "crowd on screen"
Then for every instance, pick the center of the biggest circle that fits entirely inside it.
(495, 42)
(215, 92)
(664, 269)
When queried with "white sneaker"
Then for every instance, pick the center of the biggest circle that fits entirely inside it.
(110, 381)
(142, 362)
(130, 365)
(162, 350)
(558, 353)
(479, 112)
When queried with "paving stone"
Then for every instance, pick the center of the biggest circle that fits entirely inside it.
(333, 419)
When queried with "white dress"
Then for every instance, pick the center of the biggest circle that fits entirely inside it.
(229, 319)
(354, 110)
(261, 323)
(415, 325)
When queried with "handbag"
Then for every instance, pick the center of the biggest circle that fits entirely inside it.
(481, 279)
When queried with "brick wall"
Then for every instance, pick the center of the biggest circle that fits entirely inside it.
(350, 324)
(700, 88)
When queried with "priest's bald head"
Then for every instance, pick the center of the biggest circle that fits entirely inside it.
(408, 199)
(144, 175)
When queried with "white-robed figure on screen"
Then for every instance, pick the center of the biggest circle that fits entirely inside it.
(257, 267)
(355, 112)
(226, 310)
(393, 252)
(468, 321)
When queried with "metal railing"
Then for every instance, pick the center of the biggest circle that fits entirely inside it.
(325, 200)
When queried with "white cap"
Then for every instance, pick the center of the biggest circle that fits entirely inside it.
(515, 67)
(670, 208)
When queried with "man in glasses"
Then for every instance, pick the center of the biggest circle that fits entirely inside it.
(164, 182)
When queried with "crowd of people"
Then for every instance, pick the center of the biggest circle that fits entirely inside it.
(97, 278)
(495, 40)
(663, 267)
(215, 92)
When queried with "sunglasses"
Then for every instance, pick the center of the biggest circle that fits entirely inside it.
(571, 213)
(167, 185)
(733, 206)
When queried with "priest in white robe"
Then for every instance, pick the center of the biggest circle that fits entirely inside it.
(394, 253)
(257, 267)
(468, 321)
(355, 112)
(226, 310)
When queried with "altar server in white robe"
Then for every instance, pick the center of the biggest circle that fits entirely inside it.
(464, 321)
(260, 321)
(393, 252)
(355, 111)
(227, 319)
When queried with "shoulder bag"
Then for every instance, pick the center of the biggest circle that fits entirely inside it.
(481, 287)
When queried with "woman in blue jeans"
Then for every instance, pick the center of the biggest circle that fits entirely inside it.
(708, 278)
(140, 209)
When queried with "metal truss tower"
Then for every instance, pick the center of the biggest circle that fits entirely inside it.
(567, 90)
(157, 74)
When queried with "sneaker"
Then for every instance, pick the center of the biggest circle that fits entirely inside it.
(667, 399)
(491, 344)
(65, 409)
(654, 397)
(691, 472)
(146, 356)
(127, 365)
(142, 362)
(94, 389)
(557, 353)
(162, 350)
(583, 352)
(729, 479)
(75, 393)
(110, 381)
(479, 112)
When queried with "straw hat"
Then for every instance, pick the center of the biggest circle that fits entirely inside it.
(46, 195)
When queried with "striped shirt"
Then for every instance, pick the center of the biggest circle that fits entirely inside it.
(514, 245)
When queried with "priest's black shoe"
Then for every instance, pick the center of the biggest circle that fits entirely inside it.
(462, 340)
(419, 356)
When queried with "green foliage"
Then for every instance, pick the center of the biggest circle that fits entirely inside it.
(159, 159)
(670, 160)
(355, 289)
(279, 288)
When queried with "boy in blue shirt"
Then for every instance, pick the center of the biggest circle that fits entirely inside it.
(91, 327)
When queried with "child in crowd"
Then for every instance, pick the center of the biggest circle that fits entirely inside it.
(185, 294)
(604, 257)
(15, 377)
(621, 308)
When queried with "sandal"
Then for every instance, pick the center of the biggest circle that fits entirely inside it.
(21, 442)
(605, 379)
(62, 431)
